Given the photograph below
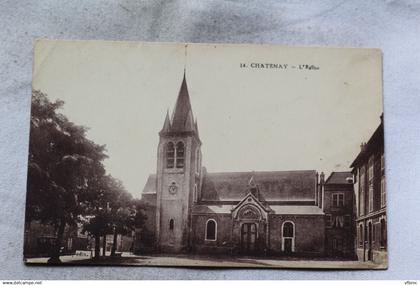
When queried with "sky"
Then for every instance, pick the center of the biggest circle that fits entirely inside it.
(250, 118)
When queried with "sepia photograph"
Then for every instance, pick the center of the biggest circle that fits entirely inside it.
(208, 155)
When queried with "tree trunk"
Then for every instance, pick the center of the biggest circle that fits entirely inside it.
(114, 243)
(97, 246)
(55, 255)
(104, 245)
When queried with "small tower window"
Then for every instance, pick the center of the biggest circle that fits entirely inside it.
(171, 224)
(170, 155)
(195, 193)
(180, 152)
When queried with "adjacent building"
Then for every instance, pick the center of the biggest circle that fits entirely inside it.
(369, 185)
(338, 201)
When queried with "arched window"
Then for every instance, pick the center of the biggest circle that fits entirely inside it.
(180, 152)
(361, 235)
(288, 230)
(170, 155)
(288, 237)
(171, 224)
(211, 230)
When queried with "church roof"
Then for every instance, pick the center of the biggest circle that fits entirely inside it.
(276, 209)
(339, 177)
(296, 210)
(150, 186)
(216, 209)
(272, 185)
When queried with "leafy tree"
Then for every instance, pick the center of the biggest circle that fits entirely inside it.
(64, 169)
(67, 182)
(129, 216)
(97, 226)
(111, 210)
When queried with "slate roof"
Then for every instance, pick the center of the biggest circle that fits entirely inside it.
(273, 185)
(277, 209)
(339, 177)
(150, 186)
(296, 210)
(216, 209)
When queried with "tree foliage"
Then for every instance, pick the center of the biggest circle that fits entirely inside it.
(67, 179)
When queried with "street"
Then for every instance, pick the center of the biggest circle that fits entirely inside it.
(207, 261)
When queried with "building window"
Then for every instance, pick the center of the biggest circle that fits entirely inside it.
(180, 152)
(370, 197)
(347, 221)
(383, 195)
(338, 222)
(373, 233)
(370, 170)
(170, 155)
(171, 224)
(360, 235)
(365, 235)
(382, 163)
(383, 233)
(362, 192)
(338, 199)
(211, 230)
(328, 220)
(288, 237)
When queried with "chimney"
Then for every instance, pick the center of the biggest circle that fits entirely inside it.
(362, 146)
(321, 178)
(321, 190)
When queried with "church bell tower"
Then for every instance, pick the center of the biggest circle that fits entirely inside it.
(178, 175)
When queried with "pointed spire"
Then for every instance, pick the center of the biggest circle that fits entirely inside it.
(181, 116)
(167, 123)
(189, 123)
(251, 182)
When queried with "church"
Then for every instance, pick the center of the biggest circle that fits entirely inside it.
(250, 213)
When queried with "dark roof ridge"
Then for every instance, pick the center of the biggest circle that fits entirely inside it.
(260, 172)
(331, 176)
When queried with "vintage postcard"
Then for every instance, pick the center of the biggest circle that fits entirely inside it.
(216, 155)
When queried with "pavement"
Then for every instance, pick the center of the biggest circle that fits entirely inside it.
(129, 259)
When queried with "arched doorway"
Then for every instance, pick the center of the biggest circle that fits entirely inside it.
(248, 238)
(288, 237)
(250, 217)
(250, 227)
